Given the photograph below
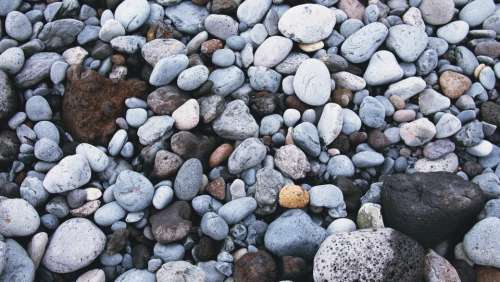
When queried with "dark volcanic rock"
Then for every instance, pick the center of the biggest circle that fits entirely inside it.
(9, 148)
(430, 207)
(171, 224)
(8, 98)
(490, 112)
(165, 100)
(188, 145)
(258, 266)
(92, 103)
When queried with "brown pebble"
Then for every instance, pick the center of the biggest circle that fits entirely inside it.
(487, 274)
(294, 103)
(397, 102)
(118, 59)
(210, 46)
(454, 84)
(206, 249)
(342, 96)
(377, 139)
(293, 268)
(258, 266)
(357, 138)
(166, 164)
(293, 197)
(220, 155)
(217, 188)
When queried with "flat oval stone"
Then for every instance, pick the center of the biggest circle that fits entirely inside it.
(133, 191)
(307, 23)
(312, 83)
(132, 14)
(18, 218)
(272, 51)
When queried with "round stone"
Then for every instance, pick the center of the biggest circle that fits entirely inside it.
(307, 23)
(75, 244)
(132, 14)
(72, 172)
(437, 12)
(312, 83)
(293, 197)
(12, 60)
(18, 218)
(133, 191)
(480, 242)
(192, 78)
(272, 51)
(18, 26)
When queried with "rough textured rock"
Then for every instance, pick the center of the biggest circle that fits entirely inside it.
(430, 207)
(171, 224)
(258, 266)
(92, 103)
(9, 148)
(369, 255)
(438, 269)
(8, 97)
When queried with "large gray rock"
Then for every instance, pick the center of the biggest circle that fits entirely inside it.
(407, 41)
(18, 218)
(75, 244)
(312, 82)
(369, 255)
(187, 17)
(481, 243)
(294, 234)
(189, 179)
(72, 172)
(60, 33)
(361, 45)
(133, 191)
(248, 154)
(18, 265)
(307, 23)
(36, 69)
(236, 122)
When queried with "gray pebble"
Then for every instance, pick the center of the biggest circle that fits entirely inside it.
(360, 46)
(237, 210)
(47, 150)
(169, 252)
(372, 112)
(187, 17)
(109, 214)
(133, 191)
(12, 60)
(18, 26)
(214, 226)
(223, 57)
(132, 14)
(189, 179)
(366, 159)
(226, 80)
(192, 78)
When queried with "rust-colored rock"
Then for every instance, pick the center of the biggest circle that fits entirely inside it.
(210, 46)
(487, 274)
(217, 188)
(294, 103)
(171, 224)
(258, 266)
(92, 102)
(165, 100)
(293, 268)
(454, 84)
(220, 155)
(353, 8)
(293, 197)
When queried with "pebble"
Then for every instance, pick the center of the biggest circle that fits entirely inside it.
(372, 112)
(19, 265)
(192, 78)
(483, 149)
(330, 123)
(178, 270)
(360, 46)
(162, 197)
(307, 23)
(340, 165)
(154, 128)
(75, 244)
(480, 245)
(236, 122)
(97, 159)
(187, 17)
(453, 32)
(226, 80)
(364, 247)
(272, 51)
(12, 60)
(418, 132)
(132, 14)
(214, 226)
(94, 275)
(37, 108)
(292, 161)
(294, 234)
(36, 68)
(252, 12)
(407, 41)
(133, 191)
(187, 115)
(188, 181)
(60, 33)
(157, 49)
(406, 88)
(367, 159)
(237, 210)
(431, 102)
(8, 6)
(110, 30)
(306, 137)
(328, 196)
(136, 275)
(18, 26)
(383, 68)
(70, 173)
(167, 69)
(293, 197)
(109, 214)
(248, 154)
(437, 12)
(169, 252)
(136, 117)
(439, 148)
(475, 12)
(340, 225)
(223, 57)
(311, 82)
(221, 26)
(19, 218)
